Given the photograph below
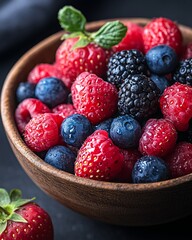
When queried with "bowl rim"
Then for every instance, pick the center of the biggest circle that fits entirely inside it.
(16, 139)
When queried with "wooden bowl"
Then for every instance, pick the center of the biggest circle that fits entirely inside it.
(116, 203)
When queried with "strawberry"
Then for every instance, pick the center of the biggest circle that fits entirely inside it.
(99, 158)
(22, 219)
(94, 98)
(71, 62)
(162, 31)
(132, 40)
(83, 51)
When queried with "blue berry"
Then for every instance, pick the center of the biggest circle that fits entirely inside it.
(149, 169)
(161, 59)
(61, 157)
(125, 132)
(51, 91)
(160, 81)
(75, 129)
(25, 90)
(105, 125)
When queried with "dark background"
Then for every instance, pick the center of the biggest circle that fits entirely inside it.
(68, 224)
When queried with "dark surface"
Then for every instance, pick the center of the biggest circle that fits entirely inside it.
(68, 224)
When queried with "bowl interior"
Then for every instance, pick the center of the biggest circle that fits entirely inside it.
(44, 52)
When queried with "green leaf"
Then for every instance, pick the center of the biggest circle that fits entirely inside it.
(110, 34)
(82, 42)
(3, 227)
(21, 202)
(15, 194)
(72, 35)
(17, 218)
(71, 19)
(4, 197)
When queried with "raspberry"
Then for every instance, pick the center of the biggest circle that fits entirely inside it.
(132, 40)
(99, 158)
(158, 138)
(183, 73)
(94, 98)
(42, 132)
(176, 105)
(124, 64)
(138, 97)
(130, 158)
(162, 31)
(28, 109)
(72, 62)
(187, 52)
(43, 70)
(64, 110)
(180, 160)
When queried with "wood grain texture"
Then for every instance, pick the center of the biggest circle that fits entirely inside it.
(116, 203)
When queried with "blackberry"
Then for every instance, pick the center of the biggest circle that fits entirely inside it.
(187, 135)
(138, 97)
(183, 73)
(125, 63)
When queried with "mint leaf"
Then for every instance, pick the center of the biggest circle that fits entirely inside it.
(15, 194)
(4, 197)
(17, 218)
(82, 42)
(3, 227)
(71, 19)
(109, 34)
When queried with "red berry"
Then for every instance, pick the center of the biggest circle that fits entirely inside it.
(94, 98)
(130, 158)
(42, 71)
(64, 110)
(180, 160)
(28, 109)
(162, 31)
(34, 222)
(187, 51)
(176, 105)
(72, 62)
(132, 40)
(158, 138)
(42, 132)
(99, 158)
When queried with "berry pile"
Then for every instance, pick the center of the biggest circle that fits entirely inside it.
(115, 105)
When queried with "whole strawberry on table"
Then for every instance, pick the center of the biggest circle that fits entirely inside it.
(116, 103)
(23, 219)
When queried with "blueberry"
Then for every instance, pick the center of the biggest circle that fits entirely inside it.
(51, 91)
(149, 169)
(125, 132)
(105, 125)
(160, 81)
(161, 59)
(75, 129)
(61, 157)
(25, 90)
